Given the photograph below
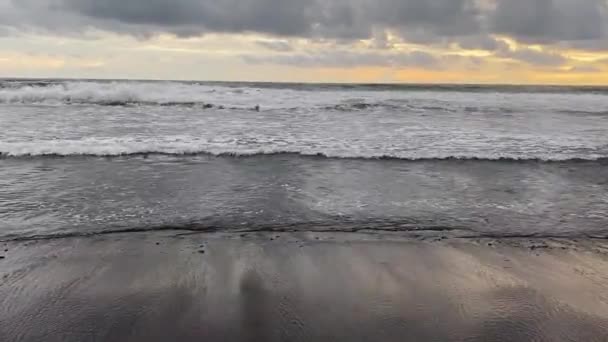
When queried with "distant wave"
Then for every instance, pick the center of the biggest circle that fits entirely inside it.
(585, 112)
(362, 105)
(109, 93)
(91, 149)
(210, 94)
(581, 159)
(164, 94)
(129, 94)
(469, 88)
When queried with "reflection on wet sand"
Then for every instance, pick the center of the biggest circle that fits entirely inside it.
(296, 288)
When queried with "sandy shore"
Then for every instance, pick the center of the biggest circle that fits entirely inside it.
(302, 287)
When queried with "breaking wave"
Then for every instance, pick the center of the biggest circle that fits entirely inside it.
(8, 83)
(114, 148)
(249, 95)
(169, 94)
(175, 94)
(110, 93)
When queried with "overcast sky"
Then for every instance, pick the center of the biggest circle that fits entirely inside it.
(470, 41)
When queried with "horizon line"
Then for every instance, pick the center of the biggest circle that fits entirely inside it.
(21, 78)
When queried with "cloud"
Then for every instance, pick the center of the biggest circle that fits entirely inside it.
(481, 42)
(581, 69)
(346, 59)
(603, 61)
(435, 17)
(470, 24)
(275, 45)
(350, 19)
(547, 21)
(589, 45)
(531, 56)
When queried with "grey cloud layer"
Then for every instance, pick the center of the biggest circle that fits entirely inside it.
(415, 20)
(543, 21)
(342, 58)
(304, 18)
(469, 24)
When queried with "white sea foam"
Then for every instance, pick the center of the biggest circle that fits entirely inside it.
(151, 93)
(102, 93)
(347, 123)
(180, 146)
(162, 93)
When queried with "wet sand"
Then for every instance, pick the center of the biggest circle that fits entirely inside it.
(302, 287)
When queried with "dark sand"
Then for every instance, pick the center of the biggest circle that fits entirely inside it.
(293, 287)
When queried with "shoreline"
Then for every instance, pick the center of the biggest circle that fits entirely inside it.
(158, 286)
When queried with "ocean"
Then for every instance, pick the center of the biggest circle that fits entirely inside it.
(88, 157)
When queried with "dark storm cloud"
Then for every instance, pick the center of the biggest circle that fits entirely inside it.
(547, 21)
(443, 17)
(589, 45)
(271, 16)
(480, 42)
(468, 23)
(348, 19)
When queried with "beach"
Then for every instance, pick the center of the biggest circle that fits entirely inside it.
(302, 286)
(231, 211)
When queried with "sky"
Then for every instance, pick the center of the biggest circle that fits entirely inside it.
(384, 41)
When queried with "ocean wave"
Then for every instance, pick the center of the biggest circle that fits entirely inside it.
(316, 87)
(117, 148)
(585, 112)
(109, 93)
(135, 91)
(170, 94)
(175, 94)
(516, 159)
(255, 97)
(358, 106)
